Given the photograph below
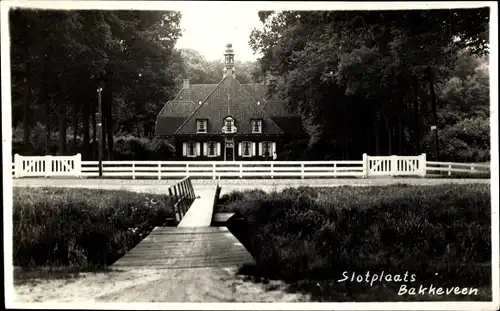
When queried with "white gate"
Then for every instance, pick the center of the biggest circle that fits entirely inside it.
(47, 166)
(396, 165)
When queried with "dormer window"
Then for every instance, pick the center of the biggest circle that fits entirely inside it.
(256, 126)
(229, 125)
(201, 126)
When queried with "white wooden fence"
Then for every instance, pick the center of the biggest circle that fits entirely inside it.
(47, 166)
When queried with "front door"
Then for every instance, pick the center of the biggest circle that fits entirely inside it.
(229, 154)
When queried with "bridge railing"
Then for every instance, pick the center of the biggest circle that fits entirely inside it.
(368, 166)
(181, 195)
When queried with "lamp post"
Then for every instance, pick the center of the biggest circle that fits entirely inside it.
(99, 128)
(436, 140)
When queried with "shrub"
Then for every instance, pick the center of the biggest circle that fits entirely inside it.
(81, 227)
(134, 148)
(440, 233)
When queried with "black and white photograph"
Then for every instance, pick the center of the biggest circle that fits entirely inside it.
(257, 155)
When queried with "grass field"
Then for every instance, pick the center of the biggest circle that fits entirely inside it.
(80, 229)
(314, 237)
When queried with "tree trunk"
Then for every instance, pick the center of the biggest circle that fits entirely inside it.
(86, 128)
(109, 125)
(75, 124)
(48, 142)
(416, 116)
(389, 135)
(62, 126)
(94, 129)
(377, 133)
(400, 135)
(103, 129)
(434, 109)
(368, 140)
(26, 112)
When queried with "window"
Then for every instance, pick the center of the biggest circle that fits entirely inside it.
(256, 126)
(201, 126)
(246, 149)
(191, 149)
(229, 125)
(211, 149)
(266, 149)
(246, 152)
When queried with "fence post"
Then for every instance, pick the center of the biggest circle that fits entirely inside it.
(366, 165)
(183, 189)
(48, 165)
(394, 165)
(449, 169)
(172, 201)
(176, 201)
(78, 165)
(159, 170)
(334, 169)
(272, 171)
(17, 165)
(241, 170)
(133, 170)
(187, 169)
(191, 189)
(213, 170)
(302, 170)
(423, 164)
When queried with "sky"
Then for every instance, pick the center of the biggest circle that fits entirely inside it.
(209, 29)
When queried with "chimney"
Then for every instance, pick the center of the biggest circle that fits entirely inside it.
(229, 61)
(186, 84)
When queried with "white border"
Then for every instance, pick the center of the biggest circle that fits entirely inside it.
(197, 5)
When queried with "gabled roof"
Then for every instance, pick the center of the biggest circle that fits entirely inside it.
(182, 108)
(173, 114)
(257, 91)
(195, 92)
(229, 98)
(261, 92)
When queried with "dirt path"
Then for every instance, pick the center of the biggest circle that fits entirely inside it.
(175, 285)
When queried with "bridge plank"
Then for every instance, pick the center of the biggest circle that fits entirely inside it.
(200, 212)
(177, 248)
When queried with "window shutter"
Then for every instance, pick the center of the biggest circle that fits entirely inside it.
(274, 147)
(198, 149)
(218, 149)
(260, 149)
(254, 147)
(205, 149)
(239, 149)
(184, 149)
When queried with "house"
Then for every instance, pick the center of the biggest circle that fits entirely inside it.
(228, 121)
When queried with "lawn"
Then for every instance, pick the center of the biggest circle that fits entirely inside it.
(316, 238)
(81, 229)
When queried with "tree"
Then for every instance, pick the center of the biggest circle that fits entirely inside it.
(128, 53)
(380, 68)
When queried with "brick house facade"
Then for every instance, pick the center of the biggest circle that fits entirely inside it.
(228, 121)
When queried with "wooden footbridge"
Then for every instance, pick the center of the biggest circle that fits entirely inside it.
(193, 243)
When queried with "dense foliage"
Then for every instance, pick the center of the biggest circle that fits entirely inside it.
(81, 228)
(376, 81)
(310, 236)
